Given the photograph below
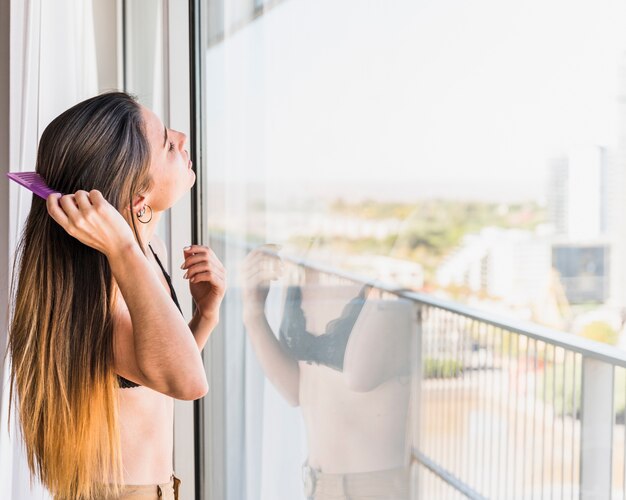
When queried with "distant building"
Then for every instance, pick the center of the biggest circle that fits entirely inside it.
(583, 215)
(584, 271)
(578, 193)
(511, 264)
(558, 195)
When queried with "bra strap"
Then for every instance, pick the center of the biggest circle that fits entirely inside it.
(167, 278)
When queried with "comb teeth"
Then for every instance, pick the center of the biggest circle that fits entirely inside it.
(32, 181)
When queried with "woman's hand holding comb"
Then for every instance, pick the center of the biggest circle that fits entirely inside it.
(92, 220)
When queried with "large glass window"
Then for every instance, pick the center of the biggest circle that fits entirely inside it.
(408, 196)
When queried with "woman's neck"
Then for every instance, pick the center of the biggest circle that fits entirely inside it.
(146, 231)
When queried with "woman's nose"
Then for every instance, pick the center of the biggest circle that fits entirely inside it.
(181, 141)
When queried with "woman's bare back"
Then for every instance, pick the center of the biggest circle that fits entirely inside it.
(349, 431)
(146, 419)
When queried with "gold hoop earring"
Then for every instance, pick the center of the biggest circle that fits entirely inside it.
(141, 213)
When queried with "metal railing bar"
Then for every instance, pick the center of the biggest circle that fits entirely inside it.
(447, 378)
(553, 407)
(502, 390)
(492, 401)
(448, 478)
(467, 387)
(508, 409)
(475, 388)
(515, 433)
(574, 412)
(429, 374)
(482, 365)
(461, 384)
(563, 426)
(440, 393)
(544, 403)
(534, 426)
(525, 419)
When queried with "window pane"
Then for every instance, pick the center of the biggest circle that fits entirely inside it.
(396, 187)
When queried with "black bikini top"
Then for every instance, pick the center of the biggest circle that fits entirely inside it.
(327, 349)
(125, 383)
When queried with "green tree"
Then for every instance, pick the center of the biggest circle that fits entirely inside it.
(600, 331)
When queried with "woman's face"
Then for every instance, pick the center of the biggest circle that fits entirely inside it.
(170, 166)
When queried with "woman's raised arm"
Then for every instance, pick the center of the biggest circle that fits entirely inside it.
(165, 356)
(279, 367)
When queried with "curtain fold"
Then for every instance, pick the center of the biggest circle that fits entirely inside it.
(53, 66)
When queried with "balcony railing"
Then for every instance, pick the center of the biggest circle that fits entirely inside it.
(502, 408)
(505, 408)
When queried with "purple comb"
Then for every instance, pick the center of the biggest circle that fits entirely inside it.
(32, 181)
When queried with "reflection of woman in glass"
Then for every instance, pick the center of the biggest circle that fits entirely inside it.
(98, 343)
(350, 379)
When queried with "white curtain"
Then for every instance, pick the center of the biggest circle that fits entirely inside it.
(53, 66)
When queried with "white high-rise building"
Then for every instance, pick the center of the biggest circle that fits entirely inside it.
(510, 264)
(558, 195)
(582, 216)
(578, 193)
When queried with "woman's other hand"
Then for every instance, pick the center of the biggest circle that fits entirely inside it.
(260, 266)
(92, 220)
(207, 279)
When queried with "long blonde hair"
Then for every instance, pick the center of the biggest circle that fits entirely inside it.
(61, 328)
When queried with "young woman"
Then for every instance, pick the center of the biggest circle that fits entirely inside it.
(99, 346)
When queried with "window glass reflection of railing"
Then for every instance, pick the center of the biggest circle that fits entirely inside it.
(507, 408)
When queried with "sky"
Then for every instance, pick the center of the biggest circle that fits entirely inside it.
(432, 96)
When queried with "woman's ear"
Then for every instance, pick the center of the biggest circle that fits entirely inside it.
(139, 202)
